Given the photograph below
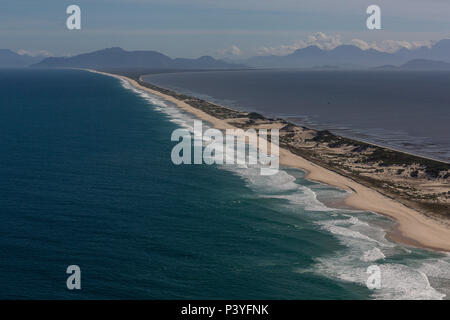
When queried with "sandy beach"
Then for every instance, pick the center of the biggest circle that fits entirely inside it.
(412, 227)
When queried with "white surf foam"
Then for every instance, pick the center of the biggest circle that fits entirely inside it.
(368, 246)
(175, 114)
(373, 255)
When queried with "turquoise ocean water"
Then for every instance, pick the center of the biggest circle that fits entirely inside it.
(86, 179)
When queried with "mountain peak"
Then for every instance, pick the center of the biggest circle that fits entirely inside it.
(11, 59)
(112, 50)
(308, 49)
(117, 57)
(347, 48)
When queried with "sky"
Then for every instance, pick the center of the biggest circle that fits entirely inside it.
(221, 28)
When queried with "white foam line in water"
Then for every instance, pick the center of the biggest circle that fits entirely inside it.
(177, 116)
(408, 280)
(373, 255)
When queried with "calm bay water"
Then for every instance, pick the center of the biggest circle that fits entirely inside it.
(406, 110)
(86, 179)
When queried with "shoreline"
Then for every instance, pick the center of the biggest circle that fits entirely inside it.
(411, 228)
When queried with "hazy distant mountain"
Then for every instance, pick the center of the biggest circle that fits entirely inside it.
(10, 59)
(422, 64)
(119, 58)
(385, 67)
(440, 52)
(205, 62)
(419, 64)
(342, 56)
(351, 57)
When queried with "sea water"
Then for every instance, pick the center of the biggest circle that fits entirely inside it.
(86, 179)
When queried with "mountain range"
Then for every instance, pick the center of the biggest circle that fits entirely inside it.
(418, 64)
(345, 56)
(118, 58)
(349, 56)
(10, 59)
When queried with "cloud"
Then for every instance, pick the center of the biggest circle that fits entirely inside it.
(38, 53)
(329, 42)
(320, 39)
(232, 51)
(361, 44)
(324, 41)
(390, 45)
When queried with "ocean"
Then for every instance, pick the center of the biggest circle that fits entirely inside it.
(86, 179)
(407, 111)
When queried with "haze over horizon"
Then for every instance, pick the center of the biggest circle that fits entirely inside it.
(235, 29)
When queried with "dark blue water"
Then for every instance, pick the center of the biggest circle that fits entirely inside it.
(406, 110)
(86, 179)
